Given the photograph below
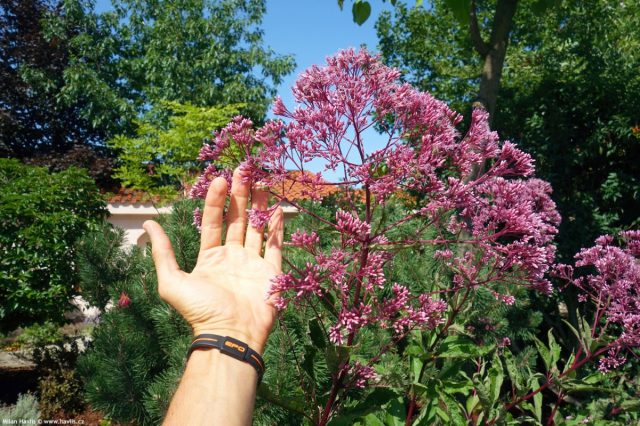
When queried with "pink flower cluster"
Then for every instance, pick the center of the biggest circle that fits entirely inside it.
(614, 287)
(494, 223)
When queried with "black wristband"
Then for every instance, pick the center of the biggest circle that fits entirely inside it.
(231, 347)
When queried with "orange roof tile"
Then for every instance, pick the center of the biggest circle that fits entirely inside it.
(132, 196)
(298, 186)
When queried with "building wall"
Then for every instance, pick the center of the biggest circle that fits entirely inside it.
(131, 217)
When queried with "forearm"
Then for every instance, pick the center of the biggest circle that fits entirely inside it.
(215, 389)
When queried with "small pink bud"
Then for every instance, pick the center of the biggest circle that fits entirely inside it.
(124, 300)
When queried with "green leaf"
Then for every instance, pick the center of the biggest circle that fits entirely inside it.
(340, 4)
(361, 11)
(416, 367)
(462, 347)
(395, 412)
(460, 10)
(372, 420)
(496, 377)
(317, 334)
(537, 399)
(483, 393)
(290, 402)
(454, 410)
(308, 360)
(512, 369)
(554, 349)
(376, 399)
(544, 353)
(336, 356)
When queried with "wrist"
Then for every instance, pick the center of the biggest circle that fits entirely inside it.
(243, 335)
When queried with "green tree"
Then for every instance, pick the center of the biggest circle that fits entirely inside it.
(33, 118)
(41, 216)
(570, 96)
(161, 158)
(203, 52)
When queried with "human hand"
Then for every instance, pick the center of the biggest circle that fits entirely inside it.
(226, 293)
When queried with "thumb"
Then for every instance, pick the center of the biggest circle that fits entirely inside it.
(163, 256)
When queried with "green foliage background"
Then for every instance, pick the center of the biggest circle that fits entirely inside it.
(41, 216)
(162, 157)
(570, 96)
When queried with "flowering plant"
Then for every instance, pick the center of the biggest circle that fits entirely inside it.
(614, 289)
(468, 198)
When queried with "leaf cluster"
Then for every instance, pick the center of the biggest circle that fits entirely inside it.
(42, 216)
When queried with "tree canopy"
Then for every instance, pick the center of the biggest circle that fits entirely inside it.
(33, 116)
(72, 75)
(570, 96)
(203, 52)
(161, 158)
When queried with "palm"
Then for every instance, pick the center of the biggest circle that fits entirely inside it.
(227, 292)
(228, 283)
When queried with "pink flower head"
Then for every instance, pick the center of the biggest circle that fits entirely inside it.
(352, 226)
(304, 239)
(361, 375)
(469, 196)
(614, 287)
(259, 218)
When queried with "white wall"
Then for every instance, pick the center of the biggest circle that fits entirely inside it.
(131, 217)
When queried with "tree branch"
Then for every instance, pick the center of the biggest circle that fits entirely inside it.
(476, 38)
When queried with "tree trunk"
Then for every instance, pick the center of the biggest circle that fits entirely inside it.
(493, 52)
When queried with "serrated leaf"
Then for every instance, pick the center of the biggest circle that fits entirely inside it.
(517, 379)
(291, 402)
(472, 402)
(496, 377)
(416, 367)
(395, 412)
(455, 410)
(483, 393)
(575, 332)
(544, 353)
(554, 349)
(308, 360)
(372, 420)
(373, 402)
(361, 11)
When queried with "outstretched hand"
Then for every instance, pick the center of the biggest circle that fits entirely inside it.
(227, 293)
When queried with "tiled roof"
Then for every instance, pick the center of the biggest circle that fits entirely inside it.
(297, 186)
(132, 196)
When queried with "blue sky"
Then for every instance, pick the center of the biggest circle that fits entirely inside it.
(311, 30)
